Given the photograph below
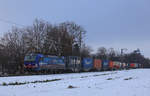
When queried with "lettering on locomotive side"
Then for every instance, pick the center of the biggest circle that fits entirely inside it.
(42, 63)
(88, 62)
(54, 61)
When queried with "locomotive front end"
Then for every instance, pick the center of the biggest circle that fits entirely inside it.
(31, 62)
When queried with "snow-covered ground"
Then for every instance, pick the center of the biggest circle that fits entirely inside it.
(135, 82)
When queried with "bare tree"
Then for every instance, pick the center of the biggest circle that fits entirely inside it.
(102, 53)
(41, 37)
(112, 54)
(86, 51)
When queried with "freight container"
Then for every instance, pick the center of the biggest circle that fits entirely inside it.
(132, 65)
(120, 65)
(127, 65)
(87, 64)
(105, 64)
(111, 65)
(73, 63)
(123, 65)
(117, 65)
(140, 66)
(136, 65)
(97, 64)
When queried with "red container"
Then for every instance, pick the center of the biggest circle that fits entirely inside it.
(111, 64)
(132, 65)
(116, 65)
(97, 64)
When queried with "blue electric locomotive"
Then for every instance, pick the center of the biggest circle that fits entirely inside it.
(39, 62)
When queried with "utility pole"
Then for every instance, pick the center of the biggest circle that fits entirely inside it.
(80, 44)
(122, 50)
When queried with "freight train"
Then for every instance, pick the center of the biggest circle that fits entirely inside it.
(40, 62)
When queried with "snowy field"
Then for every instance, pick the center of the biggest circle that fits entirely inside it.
(135, 82)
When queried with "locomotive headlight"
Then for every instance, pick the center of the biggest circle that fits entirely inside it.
(25, 66)
(36, 65)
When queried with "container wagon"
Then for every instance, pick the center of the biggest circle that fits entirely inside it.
(73, 63)
(97, 65)
(132, 65)
(116, 65)
(111, 65)
(87, 64)
(105, 65)
(123, 65)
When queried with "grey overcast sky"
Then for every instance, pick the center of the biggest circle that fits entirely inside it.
(109, 23)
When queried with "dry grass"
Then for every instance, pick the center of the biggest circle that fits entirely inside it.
(128, 78)
(70, 87)
(110, 79)
(23, 83)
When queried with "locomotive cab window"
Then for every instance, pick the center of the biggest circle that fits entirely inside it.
(30, 58)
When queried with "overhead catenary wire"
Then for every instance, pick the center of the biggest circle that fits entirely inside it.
(10, 22)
